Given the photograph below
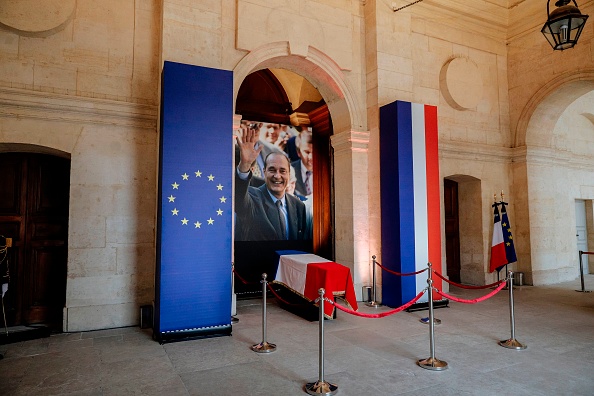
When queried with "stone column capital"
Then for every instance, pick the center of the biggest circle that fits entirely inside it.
(351, 141)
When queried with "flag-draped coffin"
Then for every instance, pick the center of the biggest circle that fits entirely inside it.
(410, 198)
(193, 279)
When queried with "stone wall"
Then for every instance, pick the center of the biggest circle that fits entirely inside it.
(82, 78)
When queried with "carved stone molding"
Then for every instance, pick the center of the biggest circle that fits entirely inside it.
(474, 151)
(353, 141)
(20, 103)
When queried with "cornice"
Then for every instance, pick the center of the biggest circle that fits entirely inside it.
(529, 155)
(352, 141)
(550, 157)
(487, 19)
(474, 151)
(22, 103)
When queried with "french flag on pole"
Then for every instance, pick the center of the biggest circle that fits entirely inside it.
(410, 198)
(503, 251)
(498, 257)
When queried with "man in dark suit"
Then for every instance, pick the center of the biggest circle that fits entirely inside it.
(304, 165)
(260, 217)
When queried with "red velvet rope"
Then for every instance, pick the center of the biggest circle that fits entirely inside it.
(286, 302)
(466, 286)
(476, 300)
(587, 252)
(243, 280)
(379, 315)
(399, 273)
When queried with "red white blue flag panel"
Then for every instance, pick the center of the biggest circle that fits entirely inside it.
(193, 280)
(410, 198)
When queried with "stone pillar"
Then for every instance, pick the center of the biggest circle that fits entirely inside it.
(351, 211)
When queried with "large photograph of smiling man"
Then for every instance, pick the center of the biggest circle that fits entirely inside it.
(269, 209)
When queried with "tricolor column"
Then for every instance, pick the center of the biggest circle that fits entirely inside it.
(410, 197)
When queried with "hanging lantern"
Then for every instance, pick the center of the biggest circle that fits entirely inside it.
(564, 25)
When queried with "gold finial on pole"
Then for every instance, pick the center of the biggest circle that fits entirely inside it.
(502, 196)
(495, 198)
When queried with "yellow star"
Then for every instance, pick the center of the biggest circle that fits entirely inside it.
(223, 199)
(198, 174)
(171, 198)
(210, 221)
(210, 177)
(219, 212)
(219, 187)
(197, 224)
(175, 186)
(509, 230)
(504, 224)
(508, 244)
(184, 221)
(185, 176)
(510, 237)
(175, 211)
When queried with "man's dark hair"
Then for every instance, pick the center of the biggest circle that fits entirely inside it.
(276, 153)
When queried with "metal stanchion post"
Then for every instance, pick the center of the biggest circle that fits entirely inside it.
(432, 363)
(373, 303)
(582, 275)
(234, 318)
(430, 276)
(512, 343)
(321, 387)
(264, 346)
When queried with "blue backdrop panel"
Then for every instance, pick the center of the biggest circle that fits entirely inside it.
(397, 202)
(193, 280)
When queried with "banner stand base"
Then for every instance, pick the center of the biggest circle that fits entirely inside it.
(425, 305)
(193, 334)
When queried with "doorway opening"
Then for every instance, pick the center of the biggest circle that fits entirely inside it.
(465, 255)
(282, 98)
(584, 227)
(34, 202)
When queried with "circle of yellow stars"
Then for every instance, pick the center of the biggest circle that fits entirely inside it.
(176, 212)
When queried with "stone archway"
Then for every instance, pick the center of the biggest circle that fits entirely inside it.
(553, 171)
(349, 141)
(545, 107)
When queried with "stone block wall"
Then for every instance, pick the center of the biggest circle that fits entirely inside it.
(86, 85)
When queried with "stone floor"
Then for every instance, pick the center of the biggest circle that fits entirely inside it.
(362, 356)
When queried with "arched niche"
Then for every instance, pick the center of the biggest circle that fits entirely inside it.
(349, 142)
(544, 109)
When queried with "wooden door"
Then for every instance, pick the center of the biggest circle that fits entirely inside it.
(34, 213)
(452, 234)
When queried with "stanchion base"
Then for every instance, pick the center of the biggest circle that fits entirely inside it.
(584, 291)
(234, 320)
(321, 388)
(373, 304)
(433, 364)
(426, 321)
(264, 347)
(512, 343)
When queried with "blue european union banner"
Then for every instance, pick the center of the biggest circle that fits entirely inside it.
(193, 279)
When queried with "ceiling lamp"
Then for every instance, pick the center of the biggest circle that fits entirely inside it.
(564, 25)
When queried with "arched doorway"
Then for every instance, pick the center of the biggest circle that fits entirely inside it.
(285, 106)
(556, 170)
(34, 203)
(349, 145)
